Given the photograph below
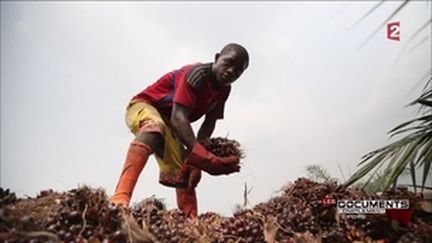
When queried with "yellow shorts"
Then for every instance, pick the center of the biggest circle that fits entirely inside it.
(143, 117)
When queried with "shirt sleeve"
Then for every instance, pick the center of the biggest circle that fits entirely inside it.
(184, 93)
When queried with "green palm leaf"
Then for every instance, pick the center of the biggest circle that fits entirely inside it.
(396, 170)
(413, 176)
(395, 12)
(426, 163)
(412, 151)
(368, 13)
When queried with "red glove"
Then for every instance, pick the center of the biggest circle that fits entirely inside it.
(189, 176)
(203, 159)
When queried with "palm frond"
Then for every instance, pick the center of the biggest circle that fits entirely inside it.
(395, 12)
(368, 13)
(426, 163)
(426, 80)
(426, 38)
(375, 173)
(365, 169)
(413, 176)
(425, 98)
(387, 149)
(425, 102)
(396, 170)
(410, 122)
(419, 30)
(411, 38)
(412, 151)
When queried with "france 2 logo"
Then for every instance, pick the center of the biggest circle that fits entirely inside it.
(393, 31)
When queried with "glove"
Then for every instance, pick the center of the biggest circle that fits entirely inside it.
(189, 176)
(203, 159)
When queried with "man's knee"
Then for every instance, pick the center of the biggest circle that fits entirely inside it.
(154, 140)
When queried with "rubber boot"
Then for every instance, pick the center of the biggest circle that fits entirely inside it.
(136, 159)
(187, 201)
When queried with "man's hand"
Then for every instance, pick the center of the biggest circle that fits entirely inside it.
(201, 158)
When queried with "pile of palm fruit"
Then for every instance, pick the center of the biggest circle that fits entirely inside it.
(297, 214)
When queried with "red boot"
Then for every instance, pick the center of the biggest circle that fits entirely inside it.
(187, 202)
(136, 159)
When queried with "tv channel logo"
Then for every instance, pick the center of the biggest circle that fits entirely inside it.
(393, 31)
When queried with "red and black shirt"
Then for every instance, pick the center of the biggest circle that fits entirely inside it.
(190, 86)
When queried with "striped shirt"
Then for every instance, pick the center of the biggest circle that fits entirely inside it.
(190, 86)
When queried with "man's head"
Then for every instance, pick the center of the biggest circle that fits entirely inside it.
(230, 63)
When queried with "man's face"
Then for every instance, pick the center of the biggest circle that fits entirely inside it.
(228, 67)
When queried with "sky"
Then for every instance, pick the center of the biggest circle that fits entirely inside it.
(313, 94)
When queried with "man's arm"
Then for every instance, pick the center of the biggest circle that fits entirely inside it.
(181, 125)
(207, 127)
(200, 157)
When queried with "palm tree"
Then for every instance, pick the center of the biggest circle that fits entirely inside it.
(412, 151)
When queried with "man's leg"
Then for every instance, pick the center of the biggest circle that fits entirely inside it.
(187, 201)
(139, 151)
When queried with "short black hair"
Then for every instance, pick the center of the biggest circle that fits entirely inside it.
(237, 48)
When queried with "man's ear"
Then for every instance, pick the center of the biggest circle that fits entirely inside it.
(217, 56)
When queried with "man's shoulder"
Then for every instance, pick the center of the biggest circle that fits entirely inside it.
(197, 74)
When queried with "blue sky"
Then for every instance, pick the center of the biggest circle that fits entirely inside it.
(310, 95)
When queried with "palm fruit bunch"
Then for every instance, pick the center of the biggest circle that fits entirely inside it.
(84, 213)
(74, 216)
(223, 147)
(296, 214)
(245, 225)
(6, 197)
(162, 224)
